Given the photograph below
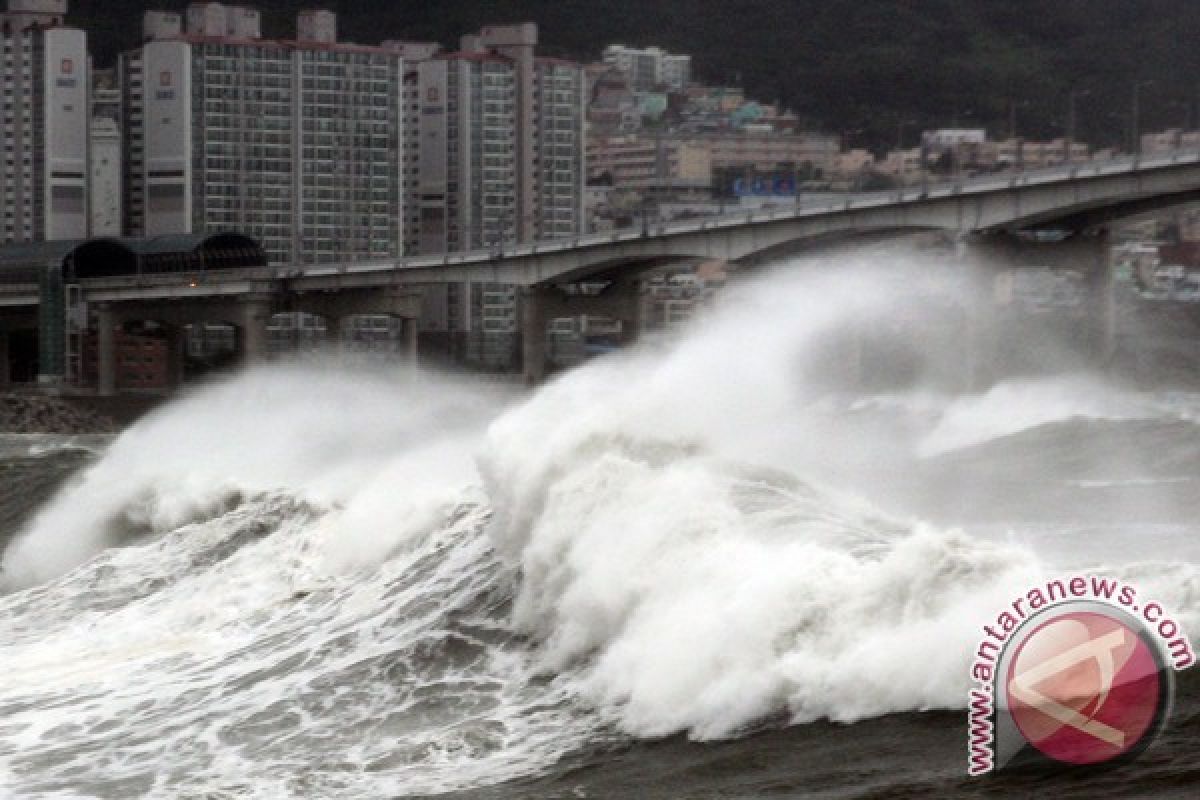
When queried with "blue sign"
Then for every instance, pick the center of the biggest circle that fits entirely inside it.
(765, 186)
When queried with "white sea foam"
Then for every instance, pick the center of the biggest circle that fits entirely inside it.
(391, 448)
(341, 584)
(1014, 406)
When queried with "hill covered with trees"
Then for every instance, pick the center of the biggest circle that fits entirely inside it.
(861, 68)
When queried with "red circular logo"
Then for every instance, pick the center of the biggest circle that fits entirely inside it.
(1085, 687)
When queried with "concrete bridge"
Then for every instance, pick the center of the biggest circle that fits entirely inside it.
(993, 215)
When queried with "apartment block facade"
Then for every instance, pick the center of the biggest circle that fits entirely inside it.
(412, 55)
(500, 144)
(44, 79)
(650, 68)
(500, 161)
(295, 142)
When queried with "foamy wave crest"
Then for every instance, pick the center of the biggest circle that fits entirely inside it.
(684, 592)
(392, 452)
(687, 591)
(403, 585)
(1019, 405)
(690, 593)
(227, 659)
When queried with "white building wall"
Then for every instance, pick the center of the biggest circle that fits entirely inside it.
(206, 19)
(243, 23)
(66, 112)
(432, 90)
(161, 25)
(676, 71)
(317, 26)
(167, 137)
(43, 13)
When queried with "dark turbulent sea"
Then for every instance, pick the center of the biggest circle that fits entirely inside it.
(677, 573)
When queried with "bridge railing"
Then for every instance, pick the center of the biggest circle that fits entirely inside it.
(859, 200)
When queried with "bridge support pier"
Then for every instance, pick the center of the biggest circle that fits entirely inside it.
(620, 301)
(5, 364)
(397, 302)
(993, 261)
(1101, 301)
(980, 330)
(176, 356)
(106, 351)
(408, 334)
(254, 316)
(626, 306)
(533, 333)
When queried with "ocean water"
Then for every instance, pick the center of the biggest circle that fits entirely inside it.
(712, 566)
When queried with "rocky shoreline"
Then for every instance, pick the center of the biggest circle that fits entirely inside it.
(39, 413)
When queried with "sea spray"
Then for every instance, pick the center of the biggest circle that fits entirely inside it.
(338, 583)
(395, 443)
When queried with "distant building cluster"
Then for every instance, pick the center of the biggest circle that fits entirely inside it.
(650, 69)
(323, 150)
(328, 151)
(963, 153)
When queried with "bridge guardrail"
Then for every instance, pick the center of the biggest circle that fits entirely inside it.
(860, 200)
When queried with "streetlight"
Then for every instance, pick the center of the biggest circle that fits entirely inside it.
(1013, 105)
(1069, 145)
(1012, 130)
(846, 134)
(1123, 120)
(1186, 108)
(955, 143)
(1135, 123)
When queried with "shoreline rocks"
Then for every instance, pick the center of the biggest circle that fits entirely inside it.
(36, 413)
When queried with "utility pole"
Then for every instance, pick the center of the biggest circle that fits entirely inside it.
(1012, 132)
(1069, 146)
(1135, 122)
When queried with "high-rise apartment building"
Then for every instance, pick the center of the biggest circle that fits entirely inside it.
(500, 144)
(560, 97)
(650, 68)
(296, 142)
(412, 54)
(44, 78)
(501, 161)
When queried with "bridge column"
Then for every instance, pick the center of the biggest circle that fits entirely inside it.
(533, 334)
(52, 327)
(1085, 253)
(255, 314)
(982, 268)
(5, 364)
(408, 334)
(979, 328)
(1101, 302)
(106, 351)
(176, 355)
(628, 310)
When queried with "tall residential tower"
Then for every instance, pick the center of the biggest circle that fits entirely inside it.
(45, 80)
(297, 143)
(501, 144)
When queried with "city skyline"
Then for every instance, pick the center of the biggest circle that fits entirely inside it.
(840, 65)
